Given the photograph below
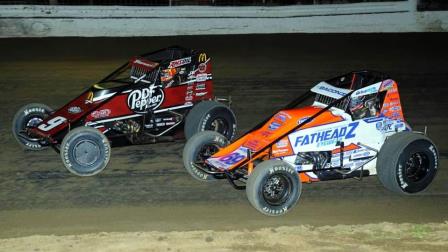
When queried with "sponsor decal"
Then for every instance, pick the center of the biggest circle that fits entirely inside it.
(401, 181)
(362, 154)
(143, 99)
(74, 110)
(201, 93)
(394, 99)
(232, 158)
(394, 103)
(266, 133)
(369, 90)
(395, 115)
(228, 160)
(179, 62)
(387, 84)
(281, 117)
(145, 63)
(331, 90)
(202, 67)
(436, 159)
(201, 77)
(328, 136)
(379, 125)
(282, 143)
(274, 125)
(278, 168)
(101, 113)
(373, 119)
(200, 86)
(202, 57)
(34, 110)
(301, 120)
(388, 126)
(252, 144)
(280, 151)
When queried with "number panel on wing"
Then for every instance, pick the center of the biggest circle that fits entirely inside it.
(227, 161)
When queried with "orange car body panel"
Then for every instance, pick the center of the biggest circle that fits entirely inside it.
(279, 125)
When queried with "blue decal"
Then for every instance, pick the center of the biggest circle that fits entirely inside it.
(274, 125)
(301, 120)
(387, 84)
(232, 158)
(373, 119)
(281, 117)
(379, 125)
(365, 91)
(328, 136)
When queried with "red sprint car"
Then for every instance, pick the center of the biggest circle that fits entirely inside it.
(157, 96)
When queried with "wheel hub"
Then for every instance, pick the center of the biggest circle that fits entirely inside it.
(219, 126)
(206, 152)
(276, 189)
(86, 152)
(417, 166)
(33, 122)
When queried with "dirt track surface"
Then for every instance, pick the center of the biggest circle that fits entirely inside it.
(367, 238)
(145, 188)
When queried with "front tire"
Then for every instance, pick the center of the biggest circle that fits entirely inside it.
(29, 116)
(210, 115)
(85, 151)
(407, 163)
(200, 147)
(274, 187)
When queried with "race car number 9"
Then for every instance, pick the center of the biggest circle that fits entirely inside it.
(232, 158)
(54, 122)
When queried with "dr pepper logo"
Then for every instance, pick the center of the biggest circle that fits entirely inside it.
(141, 100)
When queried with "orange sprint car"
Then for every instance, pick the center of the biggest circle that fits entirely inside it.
(354, 127)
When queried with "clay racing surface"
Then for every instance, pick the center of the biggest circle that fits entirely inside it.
(146, 200)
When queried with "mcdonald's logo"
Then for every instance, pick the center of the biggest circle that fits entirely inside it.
(202, 57)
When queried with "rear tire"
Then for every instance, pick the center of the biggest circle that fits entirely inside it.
(29, 116)
(200, 147)
(274, 187)
(210, 115)
(85, 151)
(407, 163)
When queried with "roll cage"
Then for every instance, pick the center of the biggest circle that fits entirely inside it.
(160, 58)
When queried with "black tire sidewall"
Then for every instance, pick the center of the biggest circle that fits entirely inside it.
(420, 145)
(219, 113)
(192, 148)
(202, 115)
(67, 152)
(258, 179)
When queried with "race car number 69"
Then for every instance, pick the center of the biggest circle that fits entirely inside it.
(54, 122)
